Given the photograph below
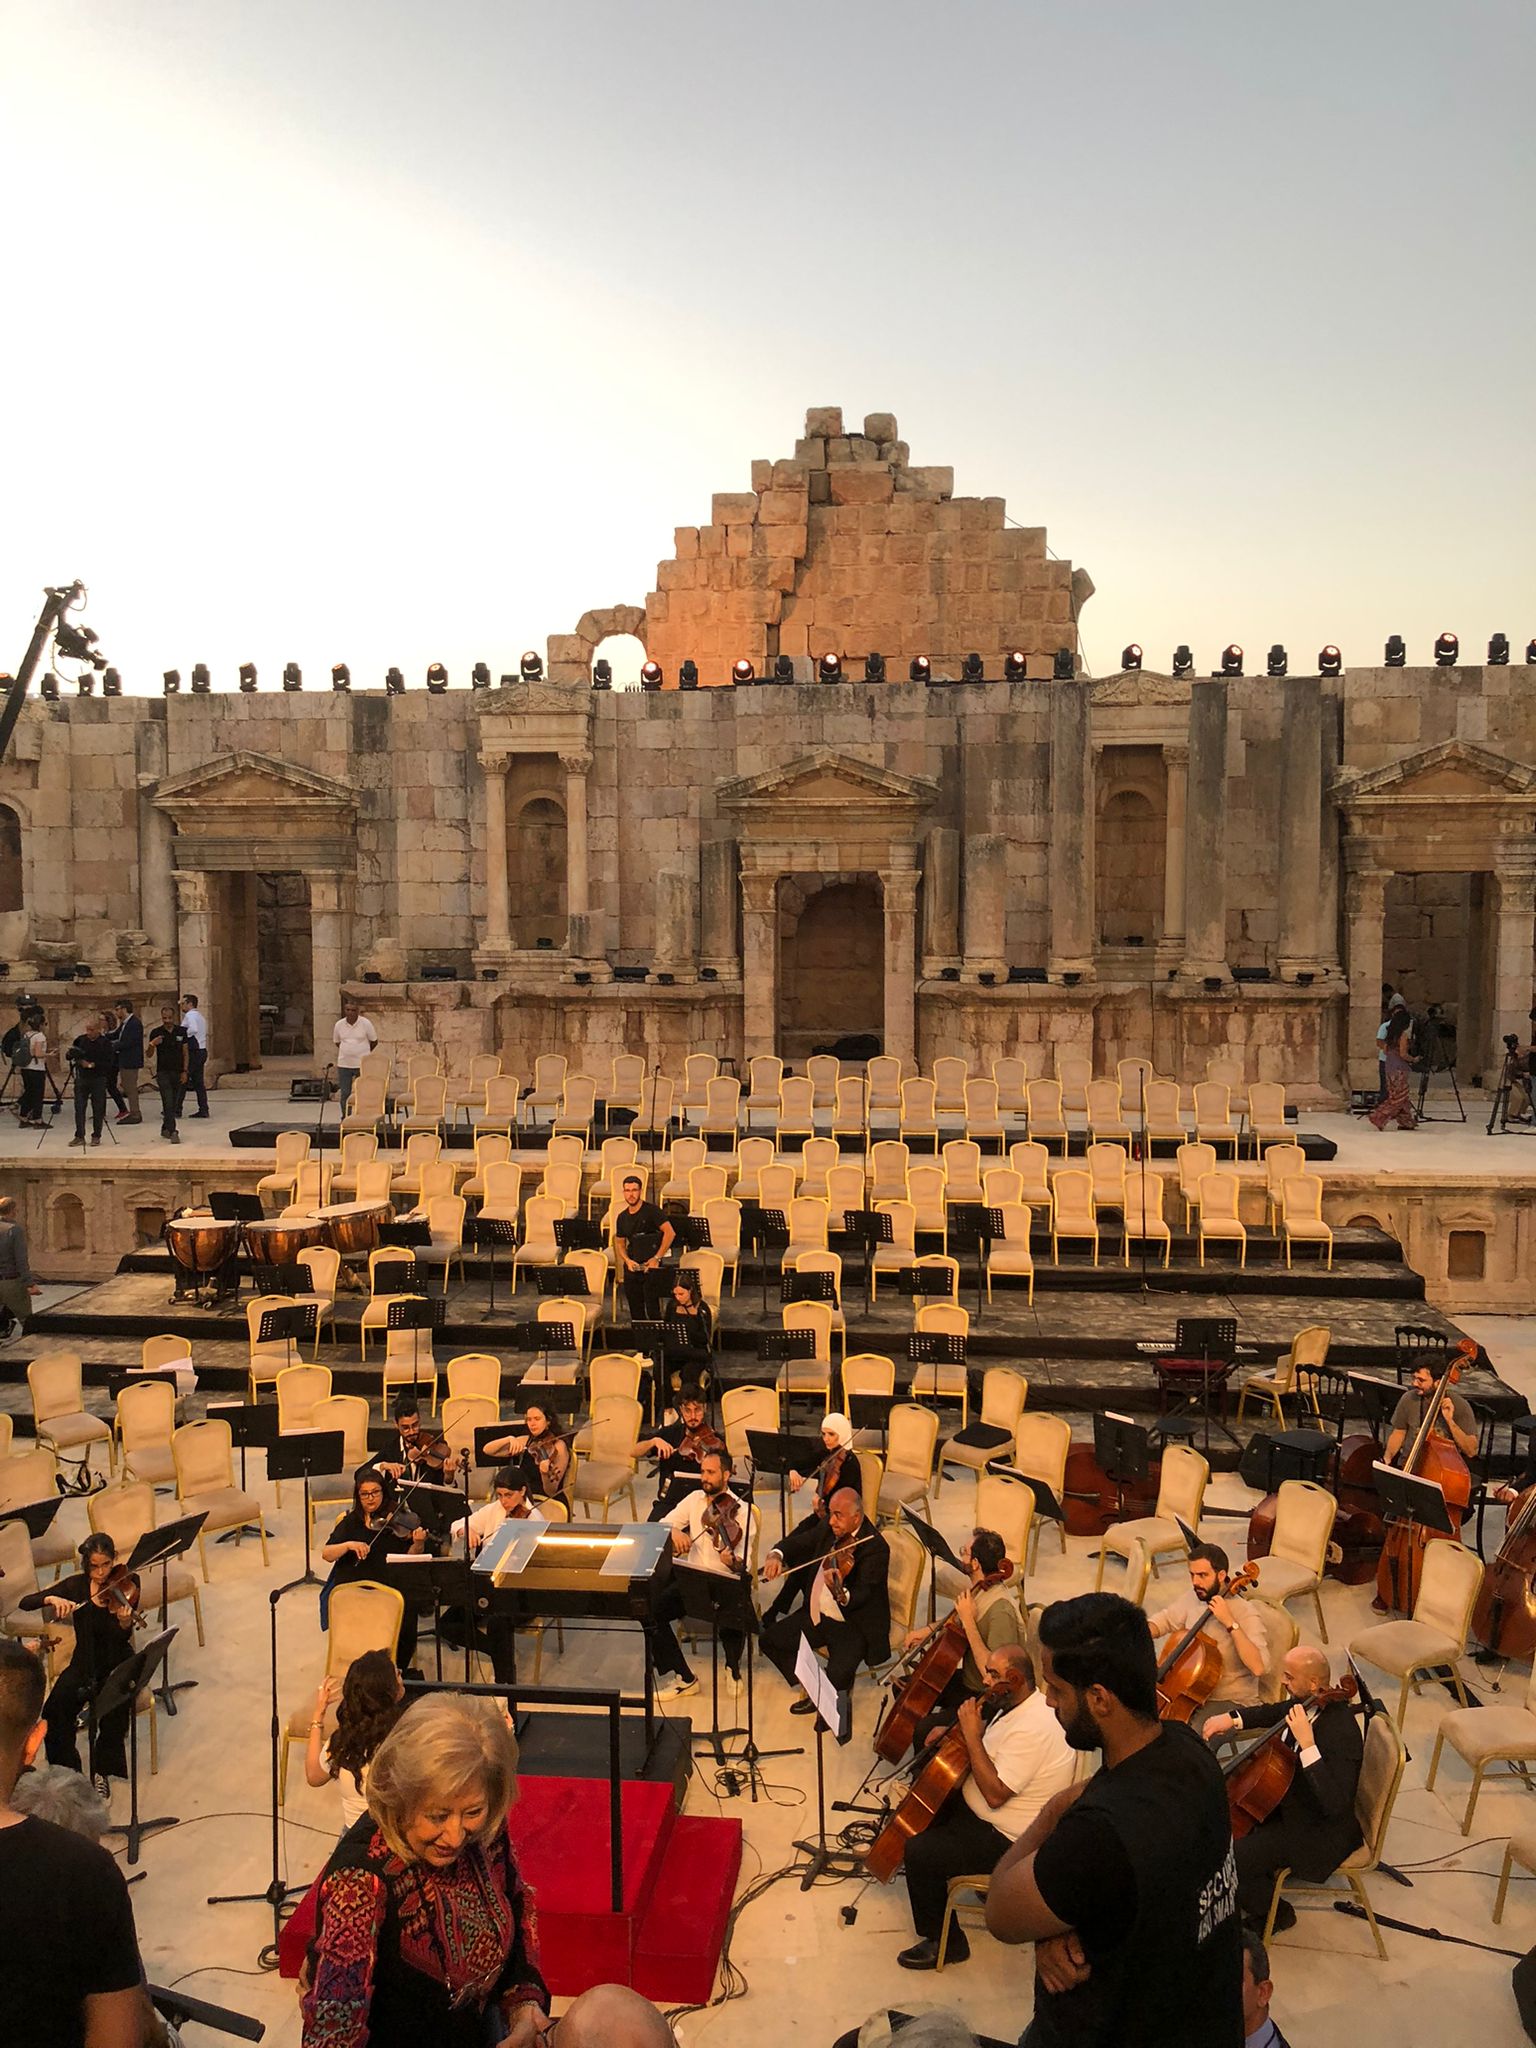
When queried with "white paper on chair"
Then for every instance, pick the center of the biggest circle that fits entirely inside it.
(819, 1689)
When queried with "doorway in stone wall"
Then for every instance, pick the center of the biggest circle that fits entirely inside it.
(1437, 947)
(284, 964)
(831, 961)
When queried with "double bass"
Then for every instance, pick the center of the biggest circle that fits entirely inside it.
(938, 1659)
(1260, 1777)
(1504, 1619)
(1189, 1675)
(1429, 1456)
(948, 1765)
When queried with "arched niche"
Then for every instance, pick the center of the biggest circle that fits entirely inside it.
(1128, 865)
(536, 852)
(66, 1223)
(12, 885)
(625, 653)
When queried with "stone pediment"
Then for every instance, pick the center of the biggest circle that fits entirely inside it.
(252, 782)
(1454, 771)
(533, 700)
(826, 780)
(247, 811)
(1137, 687)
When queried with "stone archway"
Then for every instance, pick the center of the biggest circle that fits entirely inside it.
(569, 655)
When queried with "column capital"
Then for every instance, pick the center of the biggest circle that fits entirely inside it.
(1515, 863)
(900, 887)
(760, 890)
(577, 762)
(1175, 754)
(192, 894)
(1360, 858)
(495, 764)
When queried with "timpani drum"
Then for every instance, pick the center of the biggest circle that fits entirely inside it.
(278, 1243)
(203, 1250)
(353, 1228)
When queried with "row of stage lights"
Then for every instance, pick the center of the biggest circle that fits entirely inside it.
(829, 669)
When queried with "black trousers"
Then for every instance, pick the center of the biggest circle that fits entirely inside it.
(1283, 1842)
(33, 1082)
(646, 1292)
(197, 1063)
(61, 1712)
(90, 1090)
(667, 1651)
(958, 1844)
(842, 1643)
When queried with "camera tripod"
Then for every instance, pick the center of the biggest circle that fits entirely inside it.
(1436, 1059)
(1500, 1123)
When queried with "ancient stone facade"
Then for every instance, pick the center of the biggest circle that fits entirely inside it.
(1140, 863)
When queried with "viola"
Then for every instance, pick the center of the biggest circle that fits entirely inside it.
(1259, 1778)
(938, 1659)
(948, 1765)
(1504, 1619)
(1189, 1675)
(1431, 1455)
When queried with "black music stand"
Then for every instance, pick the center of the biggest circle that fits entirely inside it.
(781, 1452)
(788, 1347)
(973, 1226)
(552, 1280)
(1123, 1449)
(233, 1205)
(1204, 1353)
(156, 1547)
(557, 1337)
(691, 1234)
(580, 1234)
(37, 1515)
(936, 1548)
(715, 1600)
(869, 1228)
(1273, 1456)
(416, 1313)
(935, 1348)
(296, 1320)
(818, 1286)
(289, 1278)
(406, 1234)
(772, 1236)
(307, 1454)
(490, 1231)
(1413, 1503)
(927, 1283)
(121, 1688)
(872, 1411)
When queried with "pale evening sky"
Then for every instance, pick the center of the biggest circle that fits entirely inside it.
(381, 331)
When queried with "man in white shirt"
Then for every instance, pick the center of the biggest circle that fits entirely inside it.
(1234, 1624)
(1019, 1758)
(354, 1038)
(712, 1531)
(195, 1024)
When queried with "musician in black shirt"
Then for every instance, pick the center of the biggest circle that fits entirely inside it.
(680, 1446)
(361, 1544)
(642, 1237)
(95, 1066)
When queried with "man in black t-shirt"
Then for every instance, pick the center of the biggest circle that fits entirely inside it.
(73, 1979)
(643, 1236)
(172, 1050)
(95, 1064)
(1126, 1883)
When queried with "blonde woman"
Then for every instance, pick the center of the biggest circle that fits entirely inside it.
(424, 1931)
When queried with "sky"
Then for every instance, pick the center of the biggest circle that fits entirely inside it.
(382, 331)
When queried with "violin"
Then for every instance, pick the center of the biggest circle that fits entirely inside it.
(1260, 1777)
(119, 1591)
(1431, 1455)
(948, 1764)
(1504, 1619)
(716, 1520)
(938, 1659)
(1189, 1675)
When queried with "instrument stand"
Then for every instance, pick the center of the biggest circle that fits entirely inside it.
(416, 1313)
(784, 1348)
(282, 1325)
(158, 1547)
(772, 1235)
(1500, 1123)
(1414, 1503)
(872, 1228)
(122, 1688)
(973, 1227)
(1436, 1061)
(715, 1602)
(278, 1893)
(307, 1454)
(1123, 1449)
(830, 1714)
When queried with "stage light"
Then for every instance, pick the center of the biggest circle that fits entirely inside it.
(112, 682)
(531, 667)
(480, 676)
(973, 669)
(202, 682)
(650, 677)
(1276, 662)
(1130, 658)
(602, 674)
(341, 676)
(874, 668)
(394, 682)
(437, 678)
(783, 668)
(85, 686)
(921, 669)
(1447, 647)
(1183, 661)
(829, 668)
(171, 681)
(1498, 651)
(49, 688)
(1232, 660)
(1063, 666)
(1015, 666)
(742, 671)
(1330, 662)
(293, 676)
(247, 677)
(688, 676)
(1396, 652)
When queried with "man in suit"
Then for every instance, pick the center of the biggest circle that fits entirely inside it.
(1259, 2029)
(847, 1616)
(1314, 1827)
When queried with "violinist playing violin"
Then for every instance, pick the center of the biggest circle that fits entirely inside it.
(1314, 1827)
(1236, 1625)
(360, 1546)
(1019, 1758)
(848, 1610)
(424, 1454)
(101, 1603)
(987, 1609)
(713, 1530)
(680, 1446)
(1455, 1420)
(840, 1467)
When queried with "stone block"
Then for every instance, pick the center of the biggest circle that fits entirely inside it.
(858, 483)
(732, 508)
(711, 540)
(862, 449)
(932, 481)
(762, 475)
(784, 540)
(788, 475)
(839, 450)
(896, 452)
(824, 422)
(782, 508)
(738, 539)
(685, 543)
(880, 426)
(819, 485)
(677, 575)
(565, 647)
(811, 454)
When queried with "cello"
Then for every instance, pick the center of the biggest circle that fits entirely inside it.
(1189, 1675)
(938, 1661)
(948, 1765)
(1259, 1778)
(1429, 1456)
(1504, 1619)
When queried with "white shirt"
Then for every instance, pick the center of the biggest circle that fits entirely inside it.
(1033, 1758)
(354, 1799)
(703, 1552)
(195, 1025)
(37, 1047)
(354, 1041)
(484, 1522)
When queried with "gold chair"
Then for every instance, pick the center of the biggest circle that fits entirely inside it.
(1142, 1217)
(1298, 1551)
(808, 1375)
(375, 1315)
(1072, 1213)
(1485, 1736)
(1003, 1394)
(19, 1580)
(350, 1414)
(1266, 1115)
(60, 1418)
(1281, 1162)
(1521, 1849)
(911, 1439)
(27, 1477)
(890, 1161)
(1180, 1498)
(363, 1615)
(1041, 1446)
(475, 1375)
(950, 1074)
(939, 1381)
(1074, 1072)
(205, 1485)
(1435, 1639)
(1194, 1162)
(901, 1251)
(1219, 1220)
(1294, 1374)
(764, 1074)
(547, 1086)
(1047, 1119)
(146, 1418)
(1031, 1161)
(126, 1514)
(1165, 1115)
(288, 1155)
(1106, 1115)
(1213, 1115)
(610, 1470)
(1381, 1775)
(1301, 1215)
(919, 1116)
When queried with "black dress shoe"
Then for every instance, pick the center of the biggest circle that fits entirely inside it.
(924, 1955)
(1285, 1917)
(803, 1705)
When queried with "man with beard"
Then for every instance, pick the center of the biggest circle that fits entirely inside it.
(1237, 1626)
(712, 1531)
(1126, 1883)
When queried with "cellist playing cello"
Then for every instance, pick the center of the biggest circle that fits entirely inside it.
(1455, 1420)
(987, 1609)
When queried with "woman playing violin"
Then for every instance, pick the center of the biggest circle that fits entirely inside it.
(361, 1541)
(838, 1468)
(101, 1602)
(550, 1452)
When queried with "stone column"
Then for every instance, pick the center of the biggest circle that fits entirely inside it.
(1072, 830)
(157, 891)
(330, 954)
(759, 961)
(1301, 827)
(194, 954)
(1176, 774)
(1205, 833)
(677, 924)
(899, 886)
(1365, 902)
(497, 936)
(1514, 874)
(941, 900)
(579, 943)
(717, 908)
(986, 903)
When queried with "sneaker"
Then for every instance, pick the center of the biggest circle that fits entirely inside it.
(924, 1955)
(197, 1116)
(74, 1142)
(96, 1140)
(674, 1684)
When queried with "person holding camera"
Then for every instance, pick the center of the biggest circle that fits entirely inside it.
(94, 1064)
